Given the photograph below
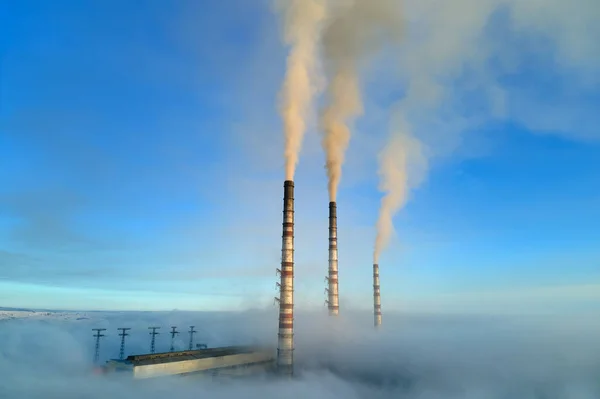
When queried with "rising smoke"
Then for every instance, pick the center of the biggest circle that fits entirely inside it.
(301, 20)
(356, 31)
(402, 165)
(458, 62)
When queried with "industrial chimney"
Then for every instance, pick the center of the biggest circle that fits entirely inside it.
(332, 279)
(285, 348)
(376, 296)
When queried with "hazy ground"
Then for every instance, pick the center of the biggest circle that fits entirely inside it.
(46, 354)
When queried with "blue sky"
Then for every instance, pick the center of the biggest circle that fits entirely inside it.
(141, 161)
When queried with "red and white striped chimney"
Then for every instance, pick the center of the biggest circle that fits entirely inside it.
(376, 296)
(285, 347)
(332, 278)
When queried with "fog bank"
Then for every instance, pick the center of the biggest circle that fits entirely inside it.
(413, 356)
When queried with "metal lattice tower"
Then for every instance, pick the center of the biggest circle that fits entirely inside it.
(123, 334)
(98, 335)
(173, 333)
(154, 334)
(192, 332)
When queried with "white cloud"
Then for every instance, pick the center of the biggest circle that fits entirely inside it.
(456, 49)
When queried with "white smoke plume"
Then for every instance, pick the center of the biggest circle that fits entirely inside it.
(461, 64)
(402, 166)
(301, 20)
(356, 31)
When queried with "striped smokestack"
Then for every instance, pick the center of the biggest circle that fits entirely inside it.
(376, 296)
(332, 279)
(285, 348)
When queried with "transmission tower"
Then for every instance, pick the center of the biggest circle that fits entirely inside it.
(173, 333)
(192, 332)
(154, 334)
(123, 334)
(98, 335)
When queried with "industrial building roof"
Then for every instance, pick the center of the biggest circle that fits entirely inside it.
(167, 357)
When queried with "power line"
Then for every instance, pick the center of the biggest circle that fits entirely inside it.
(123, 334)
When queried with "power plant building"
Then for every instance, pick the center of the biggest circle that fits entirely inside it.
(232, 360)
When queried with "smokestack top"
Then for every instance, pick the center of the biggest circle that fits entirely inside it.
(376, 264)
(288, 195)
(333, 210)
(333, 298)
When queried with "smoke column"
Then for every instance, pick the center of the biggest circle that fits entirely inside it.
(376, 296)
(332, 278)
(402, 165)
(356, 30)
(285, 346)
(346, 104)
(394, 182)
(301, 19)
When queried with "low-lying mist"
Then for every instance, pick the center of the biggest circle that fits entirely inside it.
(412, 356)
